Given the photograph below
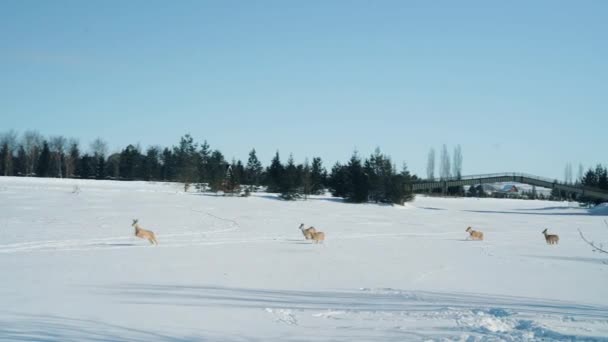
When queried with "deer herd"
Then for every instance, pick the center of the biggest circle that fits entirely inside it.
(311, 233)
(551, 239)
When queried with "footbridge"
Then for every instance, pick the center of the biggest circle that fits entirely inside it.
(428, 185)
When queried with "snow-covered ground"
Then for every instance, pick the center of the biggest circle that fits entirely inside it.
(238, 269)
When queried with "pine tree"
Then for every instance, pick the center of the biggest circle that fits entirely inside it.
(290, 182)
(150, 169)
(187, 161)
(6, 161)
(217, 171)
(602, 177)
(253, 171)
(113, 166)
(168, 165)
(358, 189)
(44, 161)
(100, 172)
(203, 166)
(234, 174)
(306, 179)
(130, 161)
(318, 176)
(401, 189)
(338, 180)
(274, 174)
(590, 179)
(20, 162)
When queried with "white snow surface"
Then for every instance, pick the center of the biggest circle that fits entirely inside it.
(238, 269)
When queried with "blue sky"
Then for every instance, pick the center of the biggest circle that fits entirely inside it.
(520, 85)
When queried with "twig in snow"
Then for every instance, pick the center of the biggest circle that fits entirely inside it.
(217, 217)
(595, 247)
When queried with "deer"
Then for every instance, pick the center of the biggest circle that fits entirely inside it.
(307, 232)
(318, 237)
(474, 235)
(552, 239)
(143, 233)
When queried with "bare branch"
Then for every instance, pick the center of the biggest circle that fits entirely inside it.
(595, 247)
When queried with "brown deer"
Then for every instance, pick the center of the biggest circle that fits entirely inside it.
(318, 237)
(307, 232)
(474, 235)
(551, 239)
(144, 234)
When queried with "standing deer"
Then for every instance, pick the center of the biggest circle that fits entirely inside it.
(144, 234)
(474, 234)
(552, 239)
(308, 232)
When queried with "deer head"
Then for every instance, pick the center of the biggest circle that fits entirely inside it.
(134, 222)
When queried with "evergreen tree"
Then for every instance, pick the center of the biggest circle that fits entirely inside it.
(20, 162)
(306, 179)
(187, 161)
(290, 182)
(401, 187)
(379, 170)
(253, 171)
(590, 179)
(233, 177)
(239, 171)
(168, 165)
(338, 180)
(44, 161)
(6, 160)
(151, 164)
(358, 189)
(602, 177)
(87, 166)
(113, 166)
(203, 164)
(100, 172)
(275, 174)
(217, 171)
(130, 162)
(318, 176)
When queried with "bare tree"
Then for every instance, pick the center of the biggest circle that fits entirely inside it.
(596, 247)
(430, 165)
(8, 145)
(579, 177)
(99, 147)
(57, 146)
(568, 178)
(444, 167)
(32, 143)
(457, 167)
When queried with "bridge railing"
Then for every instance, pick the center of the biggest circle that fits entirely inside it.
(490, 175)
(510, 175)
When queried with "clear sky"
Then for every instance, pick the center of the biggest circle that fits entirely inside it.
(521, 85)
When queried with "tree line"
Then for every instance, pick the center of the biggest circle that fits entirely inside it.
(374, 179)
